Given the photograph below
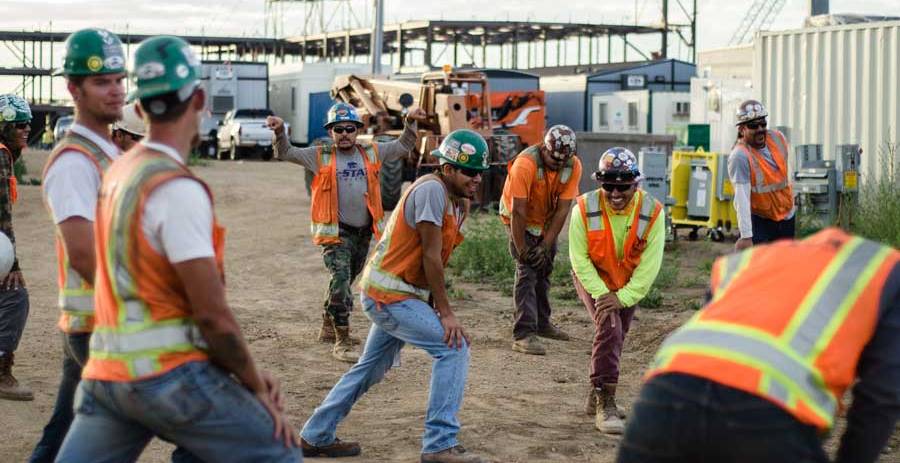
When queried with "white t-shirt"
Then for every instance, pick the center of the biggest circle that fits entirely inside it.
(72, 181)
(178, 216)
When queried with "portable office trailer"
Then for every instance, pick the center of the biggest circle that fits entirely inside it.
(832, 86)
(300, 94)
(570, 98)
(714, 102)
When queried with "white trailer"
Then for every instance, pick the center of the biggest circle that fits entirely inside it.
(230, 85)
(298, 94)
(641, 111)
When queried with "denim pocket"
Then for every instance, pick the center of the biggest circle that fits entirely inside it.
(85, 404)
(178, 400)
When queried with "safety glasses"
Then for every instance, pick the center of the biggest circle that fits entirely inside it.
(756, 125)
(471, 173)
(620, 187)
(344, 129)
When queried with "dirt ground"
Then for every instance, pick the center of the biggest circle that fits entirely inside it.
(517, 408)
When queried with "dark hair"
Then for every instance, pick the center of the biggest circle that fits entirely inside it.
(7, 135)
(166, 107)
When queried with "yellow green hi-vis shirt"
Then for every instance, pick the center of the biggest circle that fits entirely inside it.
(645, 273)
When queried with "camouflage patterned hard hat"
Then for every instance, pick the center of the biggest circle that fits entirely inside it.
(165, 64)
(463, 148)
(559, 141)
(14, 108)
(91, 52)
(750, 110)
(617, 165)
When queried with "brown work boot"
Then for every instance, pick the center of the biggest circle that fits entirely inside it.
(553, 332)
(326, 332)
(456, 454)
(529, 345)
(10, 389)
(336, 449)
(343, 345)
(607, 418)
(590, 405)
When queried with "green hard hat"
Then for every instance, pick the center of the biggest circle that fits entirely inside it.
(463, 148)
(91, 52)
(165, 64)
(14, 108)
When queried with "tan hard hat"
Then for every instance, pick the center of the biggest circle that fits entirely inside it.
(131, 122)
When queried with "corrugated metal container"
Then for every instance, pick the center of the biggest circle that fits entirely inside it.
(833, 85)
(734, 62)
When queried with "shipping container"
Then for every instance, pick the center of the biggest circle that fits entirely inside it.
(230, 85)
(833, 85)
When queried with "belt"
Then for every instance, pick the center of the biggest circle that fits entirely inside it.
(355, 230)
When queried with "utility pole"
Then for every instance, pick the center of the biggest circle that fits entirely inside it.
(377, 42)
(664, 52)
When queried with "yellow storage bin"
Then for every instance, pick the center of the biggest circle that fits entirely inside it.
(702, 193)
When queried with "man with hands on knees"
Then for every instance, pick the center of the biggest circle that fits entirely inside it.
(167, 357)
(346, 207)
(616, 239)
(405, 296)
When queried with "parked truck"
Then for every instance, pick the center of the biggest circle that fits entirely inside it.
(230, 85)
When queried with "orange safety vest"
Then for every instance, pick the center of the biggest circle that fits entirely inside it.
(544, 196)
(13, 182)
(771, 194)
(144, 325)
(324, 224)
(613, 271)
(787, 322)
(76, 296)
(395, 271)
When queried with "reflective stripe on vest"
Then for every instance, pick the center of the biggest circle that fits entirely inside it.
(648, 205)
(760, 184)
(386, 282)
(788, 361)
(733, 265)
(331, 231)
(76, 296)
(138, 339)
(593, 211)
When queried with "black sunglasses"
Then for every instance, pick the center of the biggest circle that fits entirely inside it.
(344, 129)
(22, 125)
(620, 187)
(756, 125)
(471, 173)
(132, 136)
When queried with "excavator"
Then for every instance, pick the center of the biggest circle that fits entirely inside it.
(452, 100)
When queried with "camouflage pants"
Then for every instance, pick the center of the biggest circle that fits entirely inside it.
(344, 261)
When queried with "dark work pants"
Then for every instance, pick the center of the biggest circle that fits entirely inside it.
(767, 230)
(13, 313)
(683, 418)
(75, 354)
(609, 337)
(344, 261)
(532, 292)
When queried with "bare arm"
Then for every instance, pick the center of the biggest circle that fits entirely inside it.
(518, 224)
(78, 238)
(557, 221)
(206, 295)
(430, 235)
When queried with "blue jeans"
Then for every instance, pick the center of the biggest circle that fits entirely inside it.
(197, 407)
(410, 321)
(75, 353)
(684, 418)
(13, 314)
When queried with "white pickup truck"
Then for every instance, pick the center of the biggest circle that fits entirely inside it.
(243, 132)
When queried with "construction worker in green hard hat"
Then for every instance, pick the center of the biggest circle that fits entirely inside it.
(94, 68)
(346, 207)
(167, 357)
(15, 126)
(405, 296)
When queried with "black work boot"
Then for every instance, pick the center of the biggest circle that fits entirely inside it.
(10, 389)
(336, 449)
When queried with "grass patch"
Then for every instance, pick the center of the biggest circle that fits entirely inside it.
(877, 216)
(20, 171)
(195, 159)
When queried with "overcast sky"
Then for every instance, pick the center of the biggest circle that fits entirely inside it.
(717, 18)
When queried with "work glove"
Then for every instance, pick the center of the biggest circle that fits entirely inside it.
(537, 257)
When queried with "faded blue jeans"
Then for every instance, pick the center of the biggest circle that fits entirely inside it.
(197, 407)
(409, 321)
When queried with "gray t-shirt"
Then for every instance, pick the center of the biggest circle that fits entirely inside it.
(425, 203)
(739, 164)
(351, 171)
